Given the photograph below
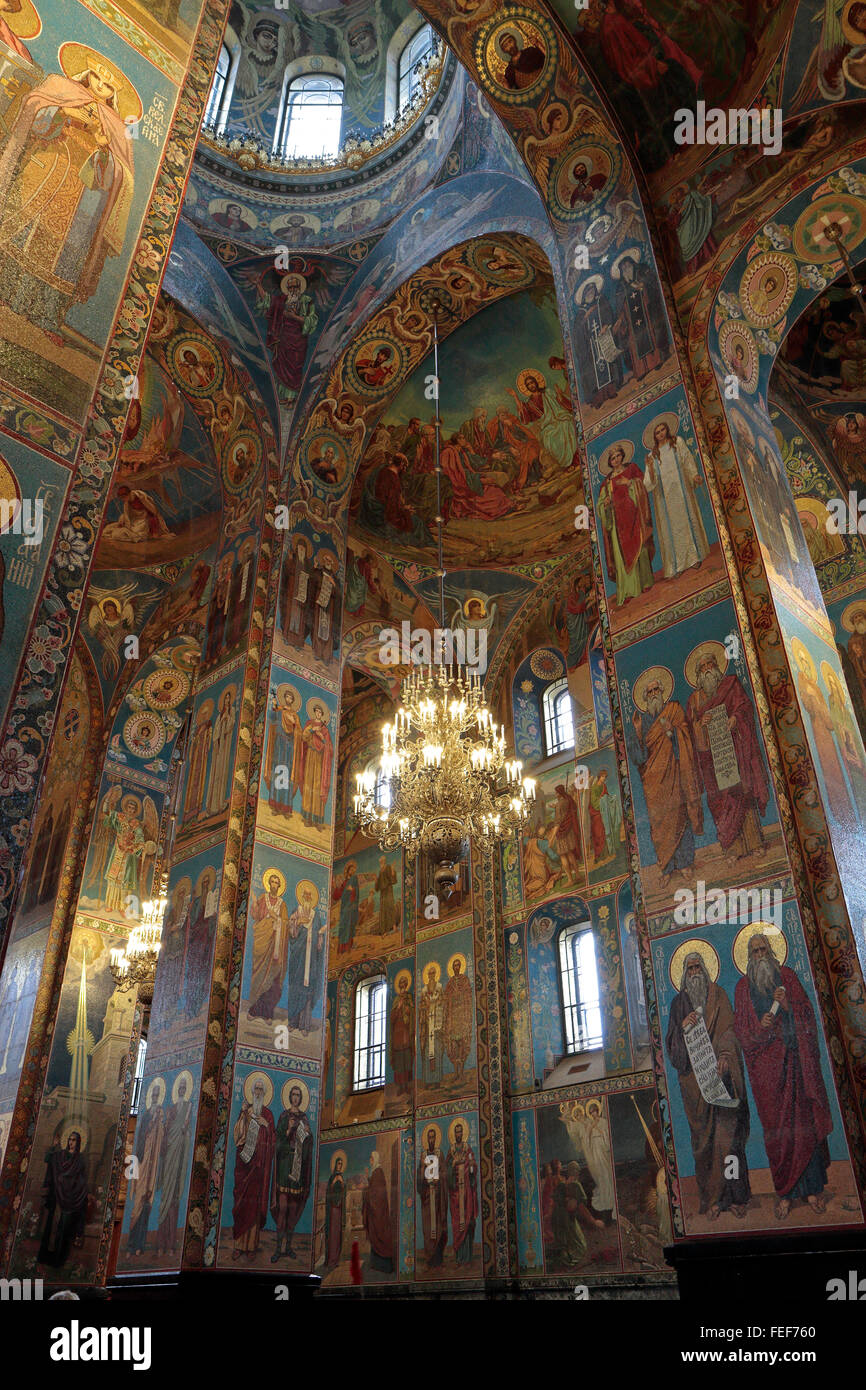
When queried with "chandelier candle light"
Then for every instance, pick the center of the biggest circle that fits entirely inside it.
(134, 965)
(444, 758)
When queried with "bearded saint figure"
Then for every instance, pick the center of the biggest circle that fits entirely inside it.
(661, 746)
(255, 1141)
(718, 1132)
(736, 810)
(775, 1025)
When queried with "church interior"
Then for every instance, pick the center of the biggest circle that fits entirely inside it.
(432, 786)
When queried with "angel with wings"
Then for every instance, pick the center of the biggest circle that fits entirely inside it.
(125, 845)
(344, 417)
(293, 301)
(113, 615)
(324, 515)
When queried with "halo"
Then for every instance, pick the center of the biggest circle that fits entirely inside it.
(159, 1083)
(185, 883)
(317, 700)
(776, 938)
(631, 253)
(459, 1120)
(76, 58)
(184, 1075)
(529, 372)
(296, 278)
(784, 268)
(738, 423)
(251, 1080)
(339, 1153)
(25, 22)
(11, 494)
(435, 966)
(75, 1127)
(597, 1101)
(660, 673)
(831, 677)
(266, 874)
(667, 417)
(849, 614)
(208, 872)
(852, 35)
(627, 447)
(697, 946)
(289, 1086)
(697, 655)
(403, 975)
(424, 1131)
(125, 800)
(736, 331)
(578, 1111)
(306, 885)
(286, 692)
(458, 955)
(803, 657)
(590, 280)
(204, 711)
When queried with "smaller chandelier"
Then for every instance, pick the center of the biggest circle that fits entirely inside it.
(133, 966)
(444, 764)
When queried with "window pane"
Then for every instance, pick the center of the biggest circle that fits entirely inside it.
(218, 86)
(578, 975)
(370, 1020)
(416, 50)
(313, 116)
(558, 718)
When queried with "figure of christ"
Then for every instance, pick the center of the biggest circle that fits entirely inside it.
(403, 1036)
(470, 497)
(148, 1146)
(318, 756)
(307, 930)
(461, 1171)
(292, 1175)
(626, 523)
(776, 1028)
(736, 810)
(296, 595)
(347, 894)
(431, 1010)
(569, 1208)
(177, 1142)
(718, 1133)
(377, 1219)
(432, 1189)
(671, 477)
(270, 949)
(565, 836)
(660, 745)
(64, 1195)
(457, 1020)
(335, 1215)
(283, 756)
(255, 1141)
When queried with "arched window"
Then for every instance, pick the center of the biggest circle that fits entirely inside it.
(419, 47)
(382, 792)
(310, 117)
(558, 720)
(369, 1069)
(139, 1074)
(216, 101)
(578, 980)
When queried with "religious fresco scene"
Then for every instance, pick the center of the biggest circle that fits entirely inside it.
(433, 653)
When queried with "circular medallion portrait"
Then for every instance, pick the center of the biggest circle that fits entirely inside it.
(579, 181)
(767, 288)
(144, 734)
(195, 365)
(500, 264)
(829, 223)
(515, 54)
(326, 457)
(740, 352)
(164, 689)
(375, 364)
(241, 461)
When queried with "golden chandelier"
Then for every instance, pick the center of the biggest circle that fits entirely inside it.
(443, 775)
(133, 966)
(444, 764)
